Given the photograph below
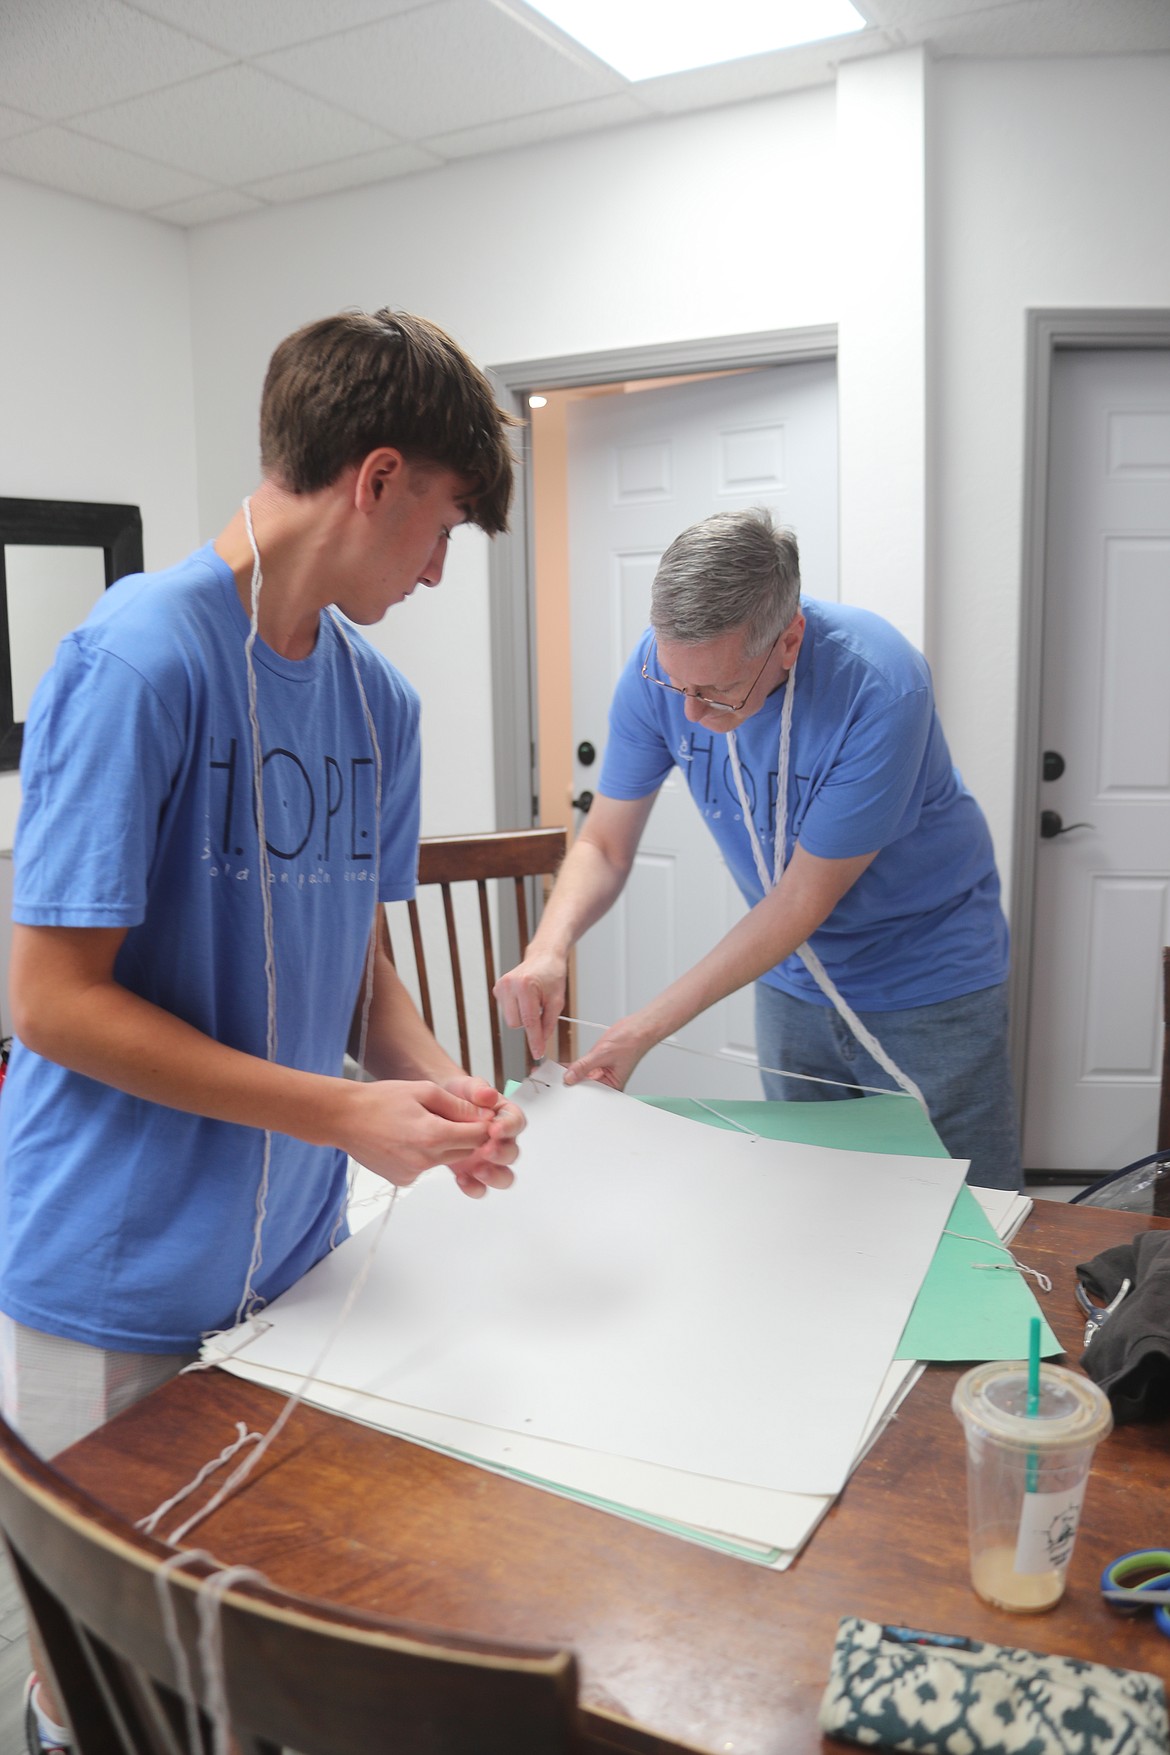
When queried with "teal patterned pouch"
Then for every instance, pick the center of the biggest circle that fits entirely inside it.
(889, 1690)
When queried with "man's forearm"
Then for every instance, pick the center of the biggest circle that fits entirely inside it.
(753, 946)
(768, 934)
(588, 884)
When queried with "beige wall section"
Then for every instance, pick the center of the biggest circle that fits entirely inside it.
(554, 696)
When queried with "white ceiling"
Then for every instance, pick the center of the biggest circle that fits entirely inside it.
(193, 110)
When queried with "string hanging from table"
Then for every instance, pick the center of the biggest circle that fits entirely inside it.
(209, 1594)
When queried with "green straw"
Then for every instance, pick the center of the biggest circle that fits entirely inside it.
(1033, 1398)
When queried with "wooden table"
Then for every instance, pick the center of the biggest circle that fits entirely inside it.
(679, 1647)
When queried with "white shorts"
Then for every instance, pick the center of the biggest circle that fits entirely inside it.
(54, 1391)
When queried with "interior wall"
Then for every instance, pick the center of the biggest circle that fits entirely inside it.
(550, 528)
(1050, 191)
(709, 224)
(95, 371)
(882, 153)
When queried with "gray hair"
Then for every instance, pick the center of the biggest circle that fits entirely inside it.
(733, 570)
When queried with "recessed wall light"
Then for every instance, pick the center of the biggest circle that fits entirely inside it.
(641, 38)
(538, 401)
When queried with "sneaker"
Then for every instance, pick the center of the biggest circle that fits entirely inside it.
(33, 1741)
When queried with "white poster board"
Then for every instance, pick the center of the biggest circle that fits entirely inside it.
(651, 1289)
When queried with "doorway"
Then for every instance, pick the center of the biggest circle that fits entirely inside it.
(1091, 906)
(646, 420)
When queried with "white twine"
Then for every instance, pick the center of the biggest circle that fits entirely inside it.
(209, 1606)
(243, 1437)
(372, 946)
(780, 1071)
(162, 1581)
(243, 1469)
(769, 880)
(209, 1594)
(1012, 1265)
(249, 1302)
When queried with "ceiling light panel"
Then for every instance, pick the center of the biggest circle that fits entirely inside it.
(641, 39)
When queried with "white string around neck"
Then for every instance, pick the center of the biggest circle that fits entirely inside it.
(770, 878)
(250, 1301)
(209, 1592)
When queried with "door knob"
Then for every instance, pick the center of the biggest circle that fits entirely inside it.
(586, 754)
(1052, 825)
(1053, 766)
(583, 802)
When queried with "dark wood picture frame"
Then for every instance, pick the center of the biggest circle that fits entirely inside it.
(116, 530)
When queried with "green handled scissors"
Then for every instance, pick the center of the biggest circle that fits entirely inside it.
(1140, 1580)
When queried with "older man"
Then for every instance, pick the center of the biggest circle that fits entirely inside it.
(808, 736)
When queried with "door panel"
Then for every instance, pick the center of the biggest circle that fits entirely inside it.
(1103, 890)
(642, 467)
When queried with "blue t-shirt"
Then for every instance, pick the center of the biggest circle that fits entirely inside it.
(123, 1223)
(869, 769)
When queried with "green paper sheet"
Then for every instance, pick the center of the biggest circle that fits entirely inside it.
(962, 1312)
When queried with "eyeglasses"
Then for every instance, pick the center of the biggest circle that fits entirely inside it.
(694, 695)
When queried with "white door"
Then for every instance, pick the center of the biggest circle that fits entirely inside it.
(642, 467)
(1103, 891)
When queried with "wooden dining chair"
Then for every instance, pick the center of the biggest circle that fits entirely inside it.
(510, 859)
(297, 1673)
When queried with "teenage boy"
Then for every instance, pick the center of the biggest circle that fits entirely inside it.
(220, 789)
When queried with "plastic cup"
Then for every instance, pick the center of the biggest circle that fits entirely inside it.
(1026, 1477)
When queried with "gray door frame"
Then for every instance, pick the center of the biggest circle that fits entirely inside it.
(512, 585)
(1047, 332)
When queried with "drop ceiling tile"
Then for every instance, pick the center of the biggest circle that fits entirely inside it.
(454, 64)
(233, 126)
(253, 27)
(199, 209)
(13, 122)
(346, 173)
(58, 58)
(604, 112)
(65, 160)
(1052, 27)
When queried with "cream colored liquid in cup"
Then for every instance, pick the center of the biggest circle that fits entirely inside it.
(994, 1575)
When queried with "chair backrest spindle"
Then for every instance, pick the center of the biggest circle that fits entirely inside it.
(456, 978)
(489, 964)
(446, 861)
(420, 964)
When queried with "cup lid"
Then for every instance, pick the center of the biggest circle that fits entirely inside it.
(993, 1399)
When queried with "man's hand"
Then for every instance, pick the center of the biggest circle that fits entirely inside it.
(531, 998)
(614, 1057)
(489, 1166)
(398, 1128)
